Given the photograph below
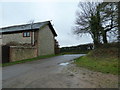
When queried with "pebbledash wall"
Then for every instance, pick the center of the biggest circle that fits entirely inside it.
(20, 53)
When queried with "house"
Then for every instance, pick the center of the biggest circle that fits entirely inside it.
(40, 35)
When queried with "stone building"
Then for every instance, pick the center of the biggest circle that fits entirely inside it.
(40, 35)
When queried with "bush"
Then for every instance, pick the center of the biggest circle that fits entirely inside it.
(110, 50)
(110, 45)
(104, 59)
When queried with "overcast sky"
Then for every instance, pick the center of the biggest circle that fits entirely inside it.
(61, 13)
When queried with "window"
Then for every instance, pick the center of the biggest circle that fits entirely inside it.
(26, 34)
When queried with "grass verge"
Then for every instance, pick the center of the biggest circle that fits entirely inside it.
(28, 60)
(104, 66)
(105, 62)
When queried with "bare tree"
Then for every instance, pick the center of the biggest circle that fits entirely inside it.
(88, 21)
(31, 22)
(109, 16)
(119, 22)
(97, 18)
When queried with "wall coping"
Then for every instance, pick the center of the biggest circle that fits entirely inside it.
(25, 47)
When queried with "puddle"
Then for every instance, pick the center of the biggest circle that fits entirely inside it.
(64, 64)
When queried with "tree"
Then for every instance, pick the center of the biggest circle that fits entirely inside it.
(109, 15)
(119, 22)
(87, 21)
(31, 22)
(97, 19)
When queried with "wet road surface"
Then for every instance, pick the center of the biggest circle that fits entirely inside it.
(55, 72)
(44, 73)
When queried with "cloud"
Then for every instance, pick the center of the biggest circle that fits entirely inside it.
(39, 0)
(62, 15)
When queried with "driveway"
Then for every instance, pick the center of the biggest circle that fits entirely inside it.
(50, 73)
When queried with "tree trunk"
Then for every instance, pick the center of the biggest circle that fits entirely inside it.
(96, 41)
(104, 37)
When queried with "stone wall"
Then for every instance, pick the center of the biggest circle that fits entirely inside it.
(15, 37)
(19, 53)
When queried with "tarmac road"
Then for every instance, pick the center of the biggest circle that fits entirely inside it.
(44, 73)
(55, 72)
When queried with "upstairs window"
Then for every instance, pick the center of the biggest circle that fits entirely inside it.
(26, 34)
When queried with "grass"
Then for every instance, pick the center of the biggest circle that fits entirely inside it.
(28, 60)
(102, 60)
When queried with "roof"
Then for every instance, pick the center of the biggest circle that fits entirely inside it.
(27, 27)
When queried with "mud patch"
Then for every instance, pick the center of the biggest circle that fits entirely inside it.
(98, 79)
